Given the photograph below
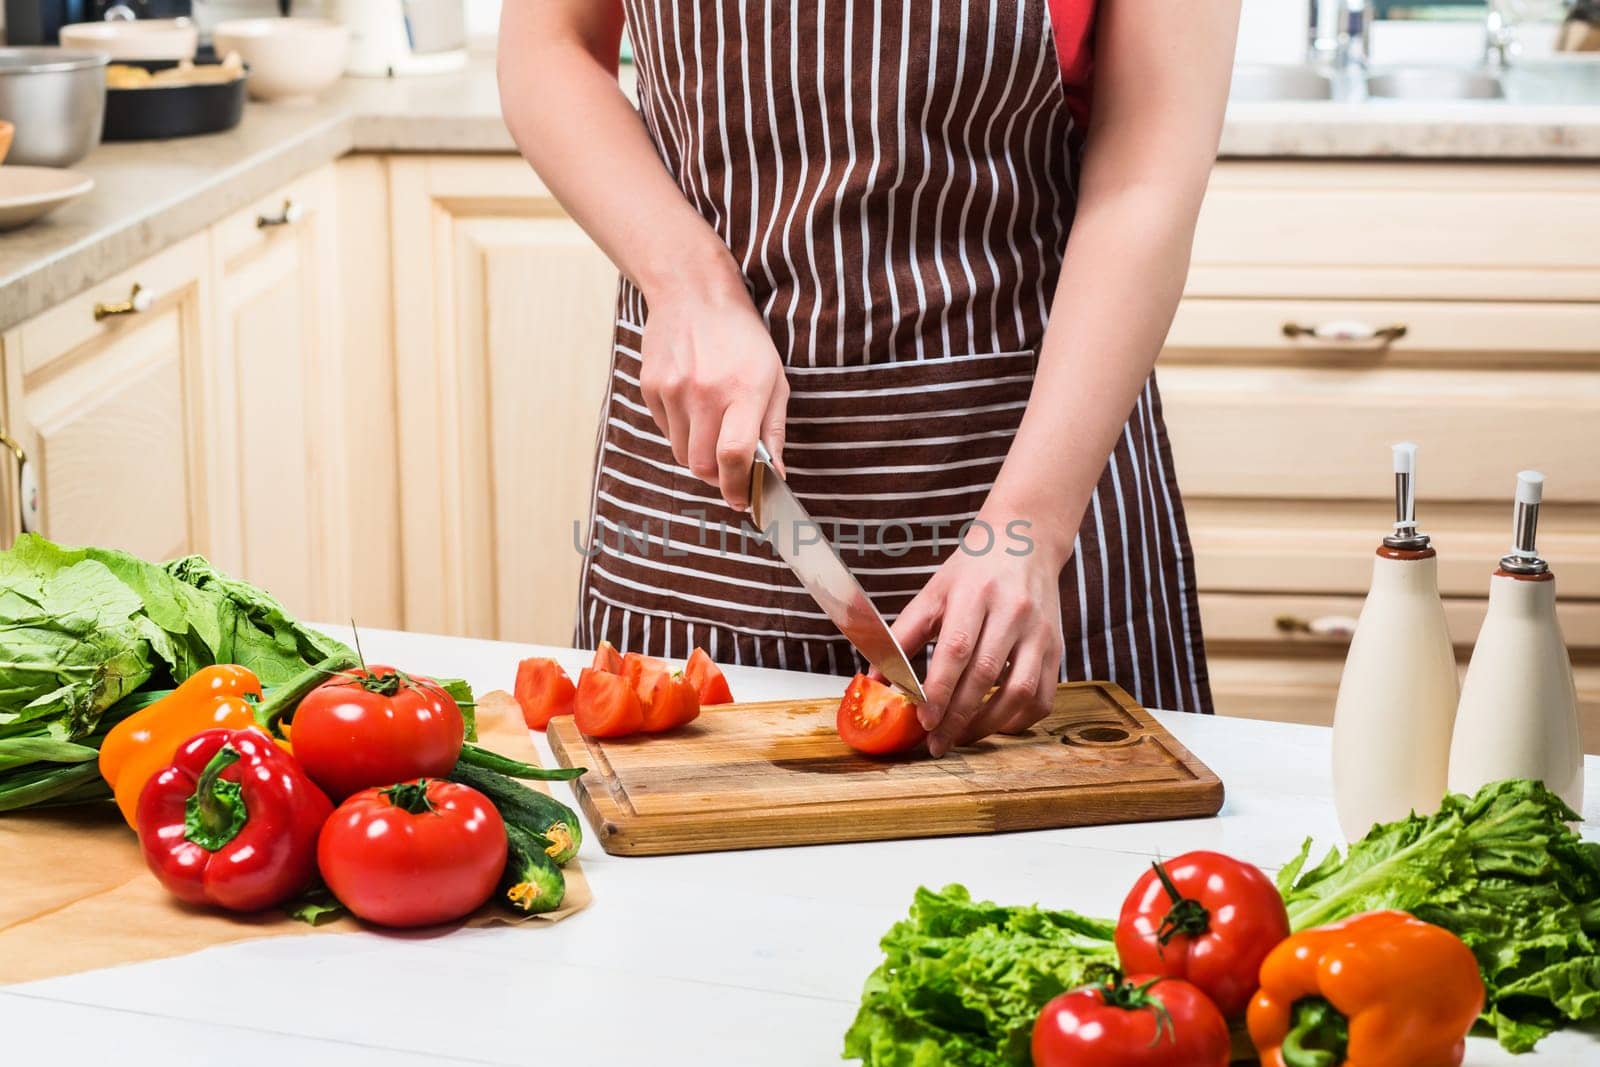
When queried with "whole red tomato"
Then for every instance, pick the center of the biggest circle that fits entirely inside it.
(1143, 1021)
(414, 854)
(376, 726)
(1206, 918)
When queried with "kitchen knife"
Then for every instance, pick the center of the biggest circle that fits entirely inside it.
(802, 544)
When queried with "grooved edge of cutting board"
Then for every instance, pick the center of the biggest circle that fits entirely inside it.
(715, 786)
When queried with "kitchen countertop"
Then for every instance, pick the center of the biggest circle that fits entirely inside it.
(149, 195)
(752, 957)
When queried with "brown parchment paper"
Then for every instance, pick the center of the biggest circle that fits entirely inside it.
(75, 894)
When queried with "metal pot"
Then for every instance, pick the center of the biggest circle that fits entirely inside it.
(56, 98)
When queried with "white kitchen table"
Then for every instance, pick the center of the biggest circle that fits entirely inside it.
(737, 958)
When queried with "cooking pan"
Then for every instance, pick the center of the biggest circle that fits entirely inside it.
(157, 112)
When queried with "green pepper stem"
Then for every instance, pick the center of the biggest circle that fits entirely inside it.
(1318, 1035)
(215, 812)
(283, 699)
(1186, 916)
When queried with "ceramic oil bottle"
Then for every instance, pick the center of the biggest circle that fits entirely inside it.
(1518, 716)
(1397, 697)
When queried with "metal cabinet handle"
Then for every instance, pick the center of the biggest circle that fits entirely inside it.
(1325, 626)
(1347, 331)
(26, 508)
(138, 300)
(290, 212)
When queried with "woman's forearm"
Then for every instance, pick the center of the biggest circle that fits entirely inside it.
(1158, 113)
(562, 104)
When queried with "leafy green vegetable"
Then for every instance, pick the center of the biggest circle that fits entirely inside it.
(1503, 871)
(86, 632)
(962, 982)
(314, 905)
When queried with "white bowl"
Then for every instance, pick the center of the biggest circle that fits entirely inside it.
(174, 39)
(290, 59)
(27, 193)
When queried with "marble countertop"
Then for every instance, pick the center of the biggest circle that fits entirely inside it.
(720, 958)
(149, 195)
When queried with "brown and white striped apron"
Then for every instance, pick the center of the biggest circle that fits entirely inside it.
(896, 179)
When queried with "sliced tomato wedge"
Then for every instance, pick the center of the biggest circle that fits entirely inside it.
(543, 691)
(878, 720)
(641, 671)
(706, 676)
(607, 658)
(606, 705)
(669, 702)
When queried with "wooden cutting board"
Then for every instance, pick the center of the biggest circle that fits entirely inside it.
(759, 775)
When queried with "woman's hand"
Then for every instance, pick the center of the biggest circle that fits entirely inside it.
(997, 619)
(715, 385)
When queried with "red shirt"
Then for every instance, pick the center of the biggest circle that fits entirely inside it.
(1073, 24)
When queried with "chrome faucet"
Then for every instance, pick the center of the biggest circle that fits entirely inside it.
(1340, 34)
(1498, 42)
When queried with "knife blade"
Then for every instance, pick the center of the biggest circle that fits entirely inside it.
(800, 541)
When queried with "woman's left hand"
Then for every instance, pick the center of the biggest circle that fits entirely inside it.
(996, 614)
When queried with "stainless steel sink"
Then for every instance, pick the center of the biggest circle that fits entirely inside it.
(1434, 83)
(1254, 83)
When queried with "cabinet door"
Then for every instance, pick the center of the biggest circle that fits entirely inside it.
(503, 312)
(106, 397)
(275, 385)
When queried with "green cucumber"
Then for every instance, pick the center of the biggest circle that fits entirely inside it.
(532, 882)
(534, 811)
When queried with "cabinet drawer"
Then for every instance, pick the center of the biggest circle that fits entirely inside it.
(1323, 624)
(1487, 231)
(298, 206)
(71, 330)
(1285, 689)
(1432, 333)
(1287, 432)
(1326, 546)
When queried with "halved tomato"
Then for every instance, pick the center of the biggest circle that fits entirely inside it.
(606, 705)
(543, 690)
(669, 702)
(706, 676)
(878, 720)
(606, 658)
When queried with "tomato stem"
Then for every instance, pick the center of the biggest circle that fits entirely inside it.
(410, 796)
(1120, 993)
(1186, 916)
(1318, 1037)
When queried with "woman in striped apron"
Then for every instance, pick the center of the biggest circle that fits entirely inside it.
(843, 227)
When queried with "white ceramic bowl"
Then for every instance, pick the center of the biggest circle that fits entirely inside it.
(174, 39)
(290, 59)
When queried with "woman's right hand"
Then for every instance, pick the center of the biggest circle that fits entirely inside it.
(714, 383)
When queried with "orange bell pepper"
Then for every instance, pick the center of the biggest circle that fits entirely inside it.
(142, 745)
(1377, 990)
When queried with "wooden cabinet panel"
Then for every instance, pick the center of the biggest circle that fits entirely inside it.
(112, 415)
(1479, 335)
(1321, 229)
(1294, 624)
(1326, 546)
(501, 373)
(1284, 433)
(1303, 689)
(277, 380)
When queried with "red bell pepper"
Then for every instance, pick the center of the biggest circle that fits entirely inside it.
(233, 822)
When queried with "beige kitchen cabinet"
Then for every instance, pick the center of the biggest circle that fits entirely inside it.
(276, 355)
(106, 394)
(503, 311)
(1458, 309)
